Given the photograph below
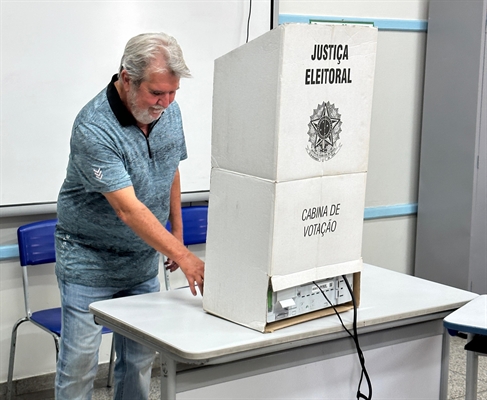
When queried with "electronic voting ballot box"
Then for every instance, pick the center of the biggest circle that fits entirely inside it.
(290, 144)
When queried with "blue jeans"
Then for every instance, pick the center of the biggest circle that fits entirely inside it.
(80, 340)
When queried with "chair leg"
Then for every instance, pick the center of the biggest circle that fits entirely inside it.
(13, 344)
(167, 279)
(111, 365)
(56, 343)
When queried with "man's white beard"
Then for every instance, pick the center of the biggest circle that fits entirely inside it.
(141, 115)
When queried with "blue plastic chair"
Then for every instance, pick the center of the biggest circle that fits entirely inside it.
(195, 226)
(36, 247)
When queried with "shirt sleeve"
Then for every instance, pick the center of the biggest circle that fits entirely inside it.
(179, 128)
(97, 161)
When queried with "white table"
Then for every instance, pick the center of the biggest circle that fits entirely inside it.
(470, 319)
(394, 308)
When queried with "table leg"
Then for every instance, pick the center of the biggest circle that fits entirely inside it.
(168, 377)
(472, 372)
(445, 365)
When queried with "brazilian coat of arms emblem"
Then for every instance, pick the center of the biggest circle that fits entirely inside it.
(324, 131)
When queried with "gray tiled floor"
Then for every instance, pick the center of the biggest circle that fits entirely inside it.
(456, 387)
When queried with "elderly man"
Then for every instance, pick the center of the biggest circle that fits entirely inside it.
(122, 185)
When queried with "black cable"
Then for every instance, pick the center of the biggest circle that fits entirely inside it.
(354, 336)
(271, 26)
(359, 350)
(248, 22)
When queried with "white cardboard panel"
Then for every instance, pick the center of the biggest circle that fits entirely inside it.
(260, 229)
(272, 102)
(317, 222)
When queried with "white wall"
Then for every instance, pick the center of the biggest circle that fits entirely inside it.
(396, 122)
(398, 9)
(394, 147)
(392, 177)
(45, 44)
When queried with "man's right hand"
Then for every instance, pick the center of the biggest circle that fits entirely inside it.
(194, 270)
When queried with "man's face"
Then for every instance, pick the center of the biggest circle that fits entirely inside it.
(153, 96)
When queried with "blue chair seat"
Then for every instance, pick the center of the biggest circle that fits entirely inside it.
(51, 319)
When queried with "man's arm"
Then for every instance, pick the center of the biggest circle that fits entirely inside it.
(175, 217)
(141, 220)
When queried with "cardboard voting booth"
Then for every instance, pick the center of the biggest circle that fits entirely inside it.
(290, 143)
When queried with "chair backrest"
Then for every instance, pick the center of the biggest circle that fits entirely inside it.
(36, 242)
(195, 224)
(36, 246)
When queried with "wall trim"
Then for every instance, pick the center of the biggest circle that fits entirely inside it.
(383, 24)
(11, 251)
(396, 210)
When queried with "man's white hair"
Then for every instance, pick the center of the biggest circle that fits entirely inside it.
(143, 49)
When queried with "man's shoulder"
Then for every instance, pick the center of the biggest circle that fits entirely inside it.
(173, 108)
(96, 109)
(172, 117)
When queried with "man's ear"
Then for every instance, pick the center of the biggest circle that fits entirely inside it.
(125, 79)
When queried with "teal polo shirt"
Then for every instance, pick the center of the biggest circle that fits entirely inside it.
(108, 152)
